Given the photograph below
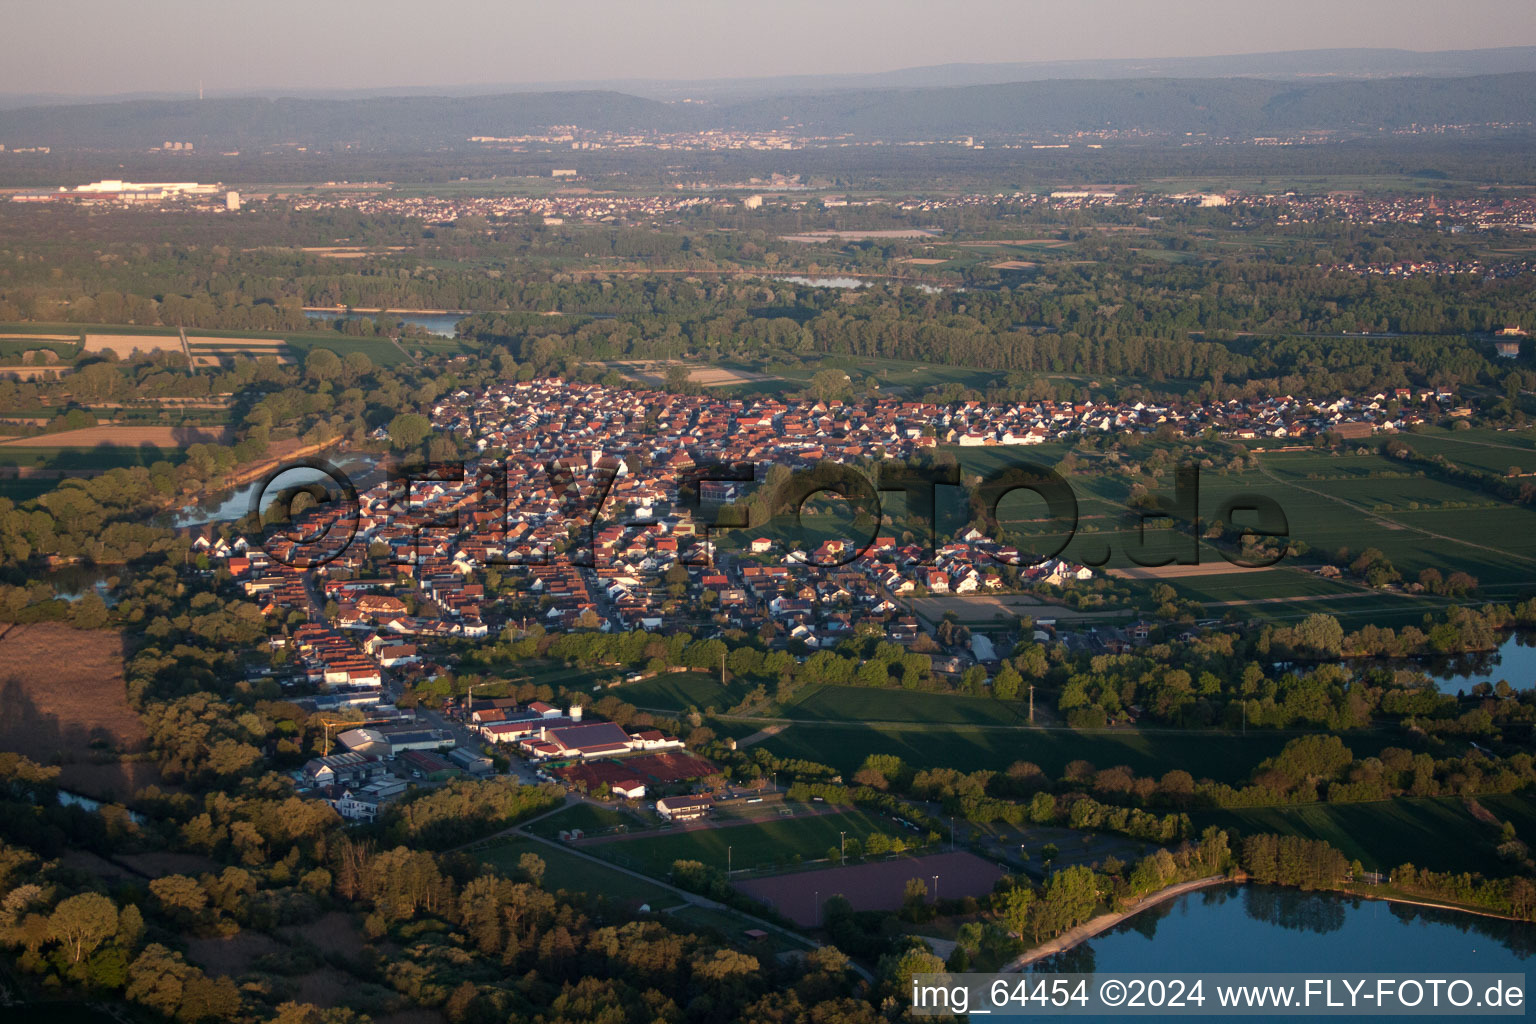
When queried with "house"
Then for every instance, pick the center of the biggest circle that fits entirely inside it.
(684, 808)
(363, 803)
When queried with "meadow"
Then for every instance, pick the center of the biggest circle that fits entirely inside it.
(1437, 833)
(1223, 756)
(679, 691)
(563, 870)
(865, 704)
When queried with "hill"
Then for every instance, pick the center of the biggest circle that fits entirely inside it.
(1230, 107)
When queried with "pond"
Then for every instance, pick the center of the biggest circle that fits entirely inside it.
(1513, 661)
(1239, 928)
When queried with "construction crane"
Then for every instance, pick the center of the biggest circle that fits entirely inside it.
(348, 722)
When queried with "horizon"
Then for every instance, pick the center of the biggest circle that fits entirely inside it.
(687, 43)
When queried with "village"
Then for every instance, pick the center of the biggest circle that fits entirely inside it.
(614, 541)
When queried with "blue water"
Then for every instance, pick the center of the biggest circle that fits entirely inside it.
(1514, 662)
(1260, 928)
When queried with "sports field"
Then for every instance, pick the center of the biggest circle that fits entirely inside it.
(866, 704)
(762, 844)
(879, 885)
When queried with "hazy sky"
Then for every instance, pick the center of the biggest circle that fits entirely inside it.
(112, 46)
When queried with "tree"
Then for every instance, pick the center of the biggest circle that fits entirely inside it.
(532, 867)
(1007, 684)
(829, 385)
(179, 894)
(408, 430)
(321, 364)
(1017, 906)
(915, 894)
(1320, 635)
(83, 922)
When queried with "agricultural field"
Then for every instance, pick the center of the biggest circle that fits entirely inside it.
(112, 436)
(1437, 833)
(757, 845)
(40, 463)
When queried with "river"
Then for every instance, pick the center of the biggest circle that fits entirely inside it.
(231, 505)
(1240, 928)
(847, 282)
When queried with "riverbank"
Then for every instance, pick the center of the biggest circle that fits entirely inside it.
(1104, 922)
(1456, 907)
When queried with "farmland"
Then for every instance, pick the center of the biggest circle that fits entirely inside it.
(1352, 500)
(111, 436)
(209, 347)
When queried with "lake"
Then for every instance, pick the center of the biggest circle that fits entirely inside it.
(441, 324)
(1239, 928)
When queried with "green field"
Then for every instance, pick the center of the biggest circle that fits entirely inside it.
(587, 817)
(97, 458)
(765, 844)
(678, 691)
(866, 704)
(1223, 756)
(381, 350)
(565, 871)
(1437, 833)
(1519, 810)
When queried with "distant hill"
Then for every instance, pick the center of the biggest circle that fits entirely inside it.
(1238, 107)
(1220, 106)
(1298, 65)
(388, 122)
(1283, 65)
